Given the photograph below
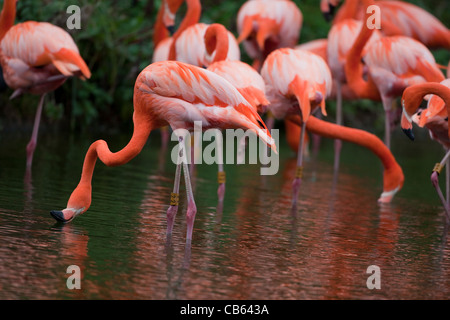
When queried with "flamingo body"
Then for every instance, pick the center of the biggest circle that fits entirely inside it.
(190, 46)
(177, 94)
(31, 52)
(267, 25)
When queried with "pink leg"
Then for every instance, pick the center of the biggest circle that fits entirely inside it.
(299, 172)
(33, 141)
(387, 105)
(165, 135)
(338, 143)
(435, 181)
(192, 208)
(221, 172)
(175, 196)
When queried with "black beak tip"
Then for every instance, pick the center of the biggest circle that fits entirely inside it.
(58, 215)
(329, 15)
(409, 133)
(171, 30)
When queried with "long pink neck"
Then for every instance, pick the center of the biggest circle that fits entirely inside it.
(216, 40)
(192, 16)
(7, 17)
(159, 29)
(354, 68)
(393, 172)
(99, 149)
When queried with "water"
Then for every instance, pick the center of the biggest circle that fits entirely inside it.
(256, 247)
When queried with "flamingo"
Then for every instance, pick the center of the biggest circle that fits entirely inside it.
(297, 81)
(165, 24)
(435, 119)
(398, 18)
(393, 177)
(246, 79)
(36, 58)
(266, 25)
(176, 94)
(393, 63)
(340, 39)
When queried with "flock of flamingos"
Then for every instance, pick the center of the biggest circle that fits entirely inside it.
(196, 75)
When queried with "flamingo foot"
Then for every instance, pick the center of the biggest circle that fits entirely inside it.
(190, 218)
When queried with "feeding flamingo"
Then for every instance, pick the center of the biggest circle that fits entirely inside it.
(393, 177)
(398, 18)
(267, 25)
(36, 58)
(246, 79)
(297, 81)
(435, 119)
(393, 63)
(176, 94)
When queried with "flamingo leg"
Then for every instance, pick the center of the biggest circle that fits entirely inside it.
(175, 196)
(192, 208)
(447, 181)
(435, 181)
(33, 141)
(221, 172)
(337, 142)
(165, 135)
(387, 105)
(299, 172)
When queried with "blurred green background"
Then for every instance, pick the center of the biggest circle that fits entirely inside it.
(115, 40)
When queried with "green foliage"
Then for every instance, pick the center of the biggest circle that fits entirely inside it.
(115, 41)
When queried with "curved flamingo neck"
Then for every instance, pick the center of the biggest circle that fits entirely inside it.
(192, 16)
(216, 40)
(7, 17)
(80, 198)
(159, 31)
(354, 68)
(414, 95)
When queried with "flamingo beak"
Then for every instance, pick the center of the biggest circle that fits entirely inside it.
(171, 29)
(409, 133)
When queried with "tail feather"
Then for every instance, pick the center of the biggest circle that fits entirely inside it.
(246, 29)
(65, 60)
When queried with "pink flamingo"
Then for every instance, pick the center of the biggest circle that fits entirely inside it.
(297, 81)
(36, 58)
(393, 64)
(398, 18)
(246, 80)
(176, 94)
(340, 39)
(267, 25)
(165, 24)
(435, 119)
